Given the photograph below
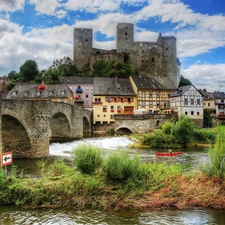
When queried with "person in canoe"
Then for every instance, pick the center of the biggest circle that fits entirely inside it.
(170, 151)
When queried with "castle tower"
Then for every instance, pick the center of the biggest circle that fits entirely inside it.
(170, 64)
(124, 37)
(83, 42)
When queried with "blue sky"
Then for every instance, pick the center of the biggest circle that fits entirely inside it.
(42, 30)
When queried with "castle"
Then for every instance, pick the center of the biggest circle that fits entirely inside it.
(155, 59)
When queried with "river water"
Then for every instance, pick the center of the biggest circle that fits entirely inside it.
(10, 215)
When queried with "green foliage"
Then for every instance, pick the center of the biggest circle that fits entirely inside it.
(119, 167)
(184, 82)
(183, 130)
(205, 136)
(29, 70)
(2, 178)
(100, 68)
(114, 68)
(207, 118)
(11, 85)
(216, 167)
(174, 134)
(87, 158)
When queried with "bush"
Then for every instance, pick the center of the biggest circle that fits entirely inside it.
(216, 166)
(119, 167)
(2, 178)
(87, 158)
(205, 136)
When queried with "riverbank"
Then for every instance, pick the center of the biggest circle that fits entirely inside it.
(163, 187)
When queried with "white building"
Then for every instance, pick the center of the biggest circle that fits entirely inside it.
(187, 100)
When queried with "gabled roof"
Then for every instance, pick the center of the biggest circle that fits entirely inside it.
(112, 86)
(180, 91)
(146, 82)
(218, 95)
(66, 61)
(206, 95)
(77, 80)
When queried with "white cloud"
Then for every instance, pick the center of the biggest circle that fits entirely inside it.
(12, 5)
(45, 6)
(206, 76)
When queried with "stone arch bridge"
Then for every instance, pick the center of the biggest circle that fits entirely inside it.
(29, 125)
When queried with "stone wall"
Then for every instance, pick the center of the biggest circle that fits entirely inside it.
(137, 124)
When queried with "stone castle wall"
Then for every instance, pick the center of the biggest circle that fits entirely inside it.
(157, 59)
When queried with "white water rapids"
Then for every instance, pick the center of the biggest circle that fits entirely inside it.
(107, 143)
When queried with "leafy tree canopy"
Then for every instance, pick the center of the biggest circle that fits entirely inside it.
(184, 82)
(29, 70)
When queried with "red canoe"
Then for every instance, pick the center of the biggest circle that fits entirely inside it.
(167, 153)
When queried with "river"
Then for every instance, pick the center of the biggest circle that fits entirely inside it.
(10, 215)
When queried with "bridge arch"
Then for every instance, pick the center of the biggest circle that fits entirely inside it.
(60, 126)
(124, 130)
(15, 137)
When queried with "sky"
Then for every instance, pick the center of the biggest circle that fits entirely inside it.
(42, 30)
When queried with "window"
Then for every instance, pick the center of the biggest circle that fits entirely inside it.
(112, 108)
(143, 94)
(104, 108)
(150, 104)
(111, 116)
(150, 94)
(158, 94)
(192, 101)
(157, 105)
(186, 113)
(97, 99)
(208, 103)
(222, 101)
(185, 101)
(198, 113)
(115, 99)
(14, 93)
(143, 104)
(63, 92)
(122, 99)
(50, 93)
(119, 107)
(192, 113)
(38, 93)
(86, 96)
(129, 99)
(198, 101)
(108, 99)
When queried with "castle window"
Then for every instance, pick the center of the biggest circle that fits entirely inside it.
(125, 33)
(153, 60)
(142, 60)
(86, 40)
(166, 48)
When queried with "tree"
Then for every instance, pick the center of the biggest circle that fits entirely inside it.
(29, 70)
(100, 68)
(184, 82)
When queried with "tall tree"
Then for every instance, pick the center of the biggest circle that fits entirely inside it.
(29, 70)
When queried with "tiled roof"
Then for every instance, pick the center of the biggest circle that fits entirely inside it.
(217, 94)
(112, 86)
(206, 95)
(145, 82)
(30, 91)
(180, 91)
(77, 80)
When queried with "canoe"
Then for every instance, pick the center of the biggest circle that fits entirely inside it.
(167, 153)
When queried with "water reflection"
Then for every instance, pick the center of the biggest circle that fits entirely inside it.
(13, 215)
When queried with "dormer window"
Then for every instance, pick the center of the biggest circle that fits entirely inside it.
(63, 92)
(14, 93)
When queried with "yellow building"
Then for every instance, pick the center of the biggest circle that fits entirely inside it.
(152, 95)
(112, 96)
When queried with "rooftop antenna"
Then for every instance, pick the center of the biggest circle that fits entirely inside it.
(219, 88)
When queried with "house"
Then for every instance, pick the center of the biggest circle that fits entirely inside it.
(219, 98)
(151, 95)
(65, 61)
(187, 100)
(82, 87)
(52, 92)
(209, 102)
(112, 96)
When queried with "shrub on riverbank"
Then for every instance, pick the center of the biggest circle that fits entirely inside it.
(87, 158)
(216, 166)
(173, 134)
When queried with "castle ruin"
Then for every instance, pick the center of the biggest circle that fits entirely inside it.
(155, 59)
